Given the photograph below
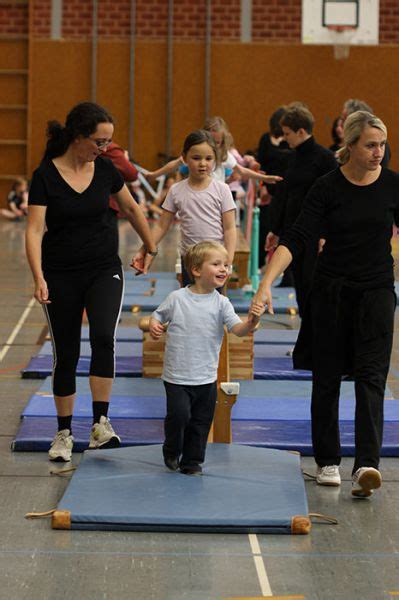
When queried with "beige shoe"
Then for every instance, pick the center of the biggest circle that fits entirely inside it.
(103, 435)
(61, 446)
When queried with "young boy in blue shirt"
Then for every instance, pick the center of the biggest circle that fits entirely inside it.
(196, 316)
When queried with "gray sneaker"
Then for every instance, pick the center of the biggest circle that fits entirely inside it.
(61, 446)
(328, 475)
(364, 481)
(102, 435)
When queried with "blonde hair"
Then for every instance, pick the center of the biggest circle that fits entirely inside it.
(218, 124)
(354, 126)
(198, 253)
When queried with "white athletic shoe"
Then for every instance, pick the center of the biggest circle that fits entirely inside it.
(364, 481)
(328, 475)
(103, 435)
(61, 446)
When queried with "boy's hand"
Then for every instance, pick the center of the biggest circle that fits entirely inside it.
(156, 329)
(256, 310)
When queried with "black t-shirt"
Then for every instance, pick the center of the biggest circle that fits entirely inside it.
(357, 224)
(81, 227)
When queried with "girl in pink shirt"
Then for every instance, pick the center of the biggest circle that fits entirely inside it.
(206, 207)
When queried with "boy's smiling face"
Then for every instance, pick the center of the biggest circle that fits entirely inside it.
(213, 272)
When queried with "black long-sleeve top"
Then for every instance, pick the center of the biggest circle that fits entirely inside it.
(309, 162)
(357, 222)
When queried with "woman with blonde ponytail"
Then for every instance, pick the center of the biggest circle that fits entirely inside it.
(347, 328)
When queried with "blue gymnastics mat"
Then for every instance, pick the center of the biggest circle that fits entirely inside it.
(270, 362)
(242, 490)
(125, 333)
(35, 434)
(273, 414)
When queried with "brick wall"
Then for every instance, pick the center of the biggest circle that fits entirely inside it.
(13, 19)
(389, 22)
(274, 21)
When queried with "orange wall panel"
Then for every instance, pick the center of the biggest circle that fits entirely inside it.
(248, 81)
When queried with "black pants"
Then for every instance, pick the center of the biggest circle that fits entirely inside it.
(100, 293)
(190, 410)
(362, 336)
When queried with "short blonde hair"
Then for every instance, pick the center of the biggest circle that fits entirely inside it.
(198, 253)
(354, 126)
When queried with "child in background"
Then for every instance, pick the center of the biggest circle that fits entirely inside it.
(206, 207)
(196, 316)
(17, 201)
(226, 164)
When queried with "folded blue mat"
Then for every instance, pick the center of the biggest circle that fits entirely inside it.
(135, 349)
(246, 408)
(242, 489)
(123, 334)
(41, 366)
(265, 335)
(141, 387)
(35, 434)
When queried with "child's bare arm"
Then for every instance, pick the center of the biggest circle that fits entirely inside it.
(170, 167)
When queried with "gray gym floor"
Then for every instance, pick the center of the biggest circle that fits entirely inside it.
(356, 559)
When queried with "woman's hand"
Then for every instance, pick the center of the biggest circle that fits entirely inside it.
(41, 291)
(264, 297)
(272, 241)
(142, 261)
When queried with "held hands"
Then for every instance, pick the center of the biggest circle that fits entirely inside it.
(263, 297)
(41, 291)
(255, 311)
(156, 329)
(141, 261)
(272, 241)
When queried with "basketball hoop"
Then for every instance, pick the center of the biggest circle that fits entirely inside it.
(341, 35)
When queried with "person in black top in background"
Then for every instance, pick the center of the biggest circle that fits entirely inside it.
(273, 154)
(348, 325)
(337, 134)
(309, 162)
(75, 262)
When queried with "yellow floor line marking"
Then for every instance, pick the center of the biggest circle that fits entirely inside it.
(393, 593)
(259, 565)
(17, 328)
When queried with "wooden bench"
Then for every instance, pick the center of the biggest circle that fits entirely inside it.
(240, 262)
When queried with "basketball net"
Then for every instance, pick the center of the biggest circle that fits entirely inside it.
(341, 35)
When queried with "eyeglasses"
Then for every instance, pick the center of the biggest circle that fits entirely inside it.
(100, 143)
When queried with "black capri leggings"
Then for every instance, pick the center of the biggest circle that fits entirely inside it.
(100, 292)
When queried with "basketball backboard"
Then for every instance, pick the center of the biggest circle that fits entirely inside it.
(350, 22)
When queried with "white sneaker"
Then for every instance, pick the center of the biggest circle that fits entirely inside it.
(328, 475)
(61, 446)
(364, 481)
(103, 435)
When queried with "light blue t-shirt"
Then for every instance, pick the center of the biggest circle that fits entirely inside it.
(194, 335)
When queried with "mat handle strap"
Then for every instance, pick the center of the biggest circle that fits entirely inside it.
(325, 518)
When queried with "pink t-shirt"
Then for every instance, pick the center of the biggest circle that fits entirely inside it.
(200, 211)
